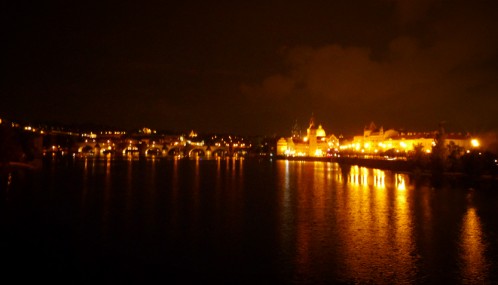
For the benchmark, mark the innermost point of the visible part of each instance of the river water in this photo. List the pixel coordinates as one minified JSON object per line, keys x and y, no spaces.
{"x":131,"y":220}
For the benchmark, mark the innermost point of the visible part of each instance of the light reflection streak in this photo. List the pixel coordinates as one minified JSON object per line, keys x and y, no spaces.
{"x":218,"y":187}
{"x":339,"y":175}
{"x":379,"y":178}
{"x":378,"y":229}
{"x":359,"y":176}
{"x":84,"y":191}
{"x":304,"y":193}
{"x":241,"y":167}
{"x":364,"y":176}
{"x":174,"y":195}
{"x":107,"y":196}
{"x":286,"y":225}
{"x":474,"y":263}
{"x":129,"y":181}
{"x":93,"y":167}
{"x":305,"y":226}
{"x":400,"y":182}
{"x":151,"y":199}
{"x":234,"y":166}
{"x":196,"y":194}
{"x":197,"y":175}
{"x":218,"y":169}
{"x":367,"y":223}
{"x":234,"y":202}
{"x":403,"y":238}
{"x":319,"y":187}
{"x":353,"y":175}
{"x":240,"y":173}
{"x":174,"y":179}
{"x":108,"y":165}
{"x":359,"y":229}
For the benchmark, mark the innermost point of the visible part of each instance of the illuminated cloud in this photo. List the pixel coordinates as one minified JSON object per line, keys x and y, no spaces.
{"x":447,"y":73}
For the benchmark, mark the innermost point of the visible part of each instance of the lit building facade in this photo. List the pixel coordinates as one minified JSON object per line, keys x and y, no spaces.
{"x":376,"y":141}
{"x":314,"y":144}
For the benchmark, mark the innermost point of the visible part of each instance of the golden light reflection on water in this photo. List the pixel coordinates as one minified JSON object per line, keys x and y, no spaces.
{"x":404,"y":248}
{"x":378,"y":235}
{"x":358,"y":227}
{"x":360,"y":176}
{"x":107,"y":196}
{"x":128,"y":185}
{"x":305,"y":197}
{"x":218,"y":174}
{"x":366,"y":222}
{"x":175,"y":188}
{"x":197,"y":175}
{"x":174,"y":178}
{"x":474,"y":263}
{"x":84,"y":191}
{"x":285,"y":207}
{"x":400,"y":182}
{"x":150,"y":186}
{"x":196,"y":201}
{"x":319,"y":186}
{"x":379,"y":178}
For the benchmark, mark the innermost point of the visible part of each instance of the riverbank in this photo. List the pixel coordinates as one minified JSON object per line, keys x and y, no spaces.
{"x":397,"y":165}
{"x":394,"y":165}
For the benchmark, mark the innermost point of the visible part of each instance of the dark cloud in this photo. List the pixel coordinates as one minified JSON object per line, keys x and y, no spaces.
{"x":253,"y":68}
{"x":447,"y":73}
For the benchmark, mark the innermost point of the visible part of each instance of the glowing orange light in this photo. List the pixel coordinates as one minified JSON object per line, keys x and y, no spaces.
{"x":475,"y":143}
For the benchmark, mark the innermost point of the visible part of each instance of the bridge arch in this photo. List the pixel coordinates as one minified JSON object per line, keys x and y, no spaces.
{"x":88,"y":147}
{"x":197,"y":151}
{"x":153,"y":151}
{"x":219,"y":151}
{"x":175,"y":150}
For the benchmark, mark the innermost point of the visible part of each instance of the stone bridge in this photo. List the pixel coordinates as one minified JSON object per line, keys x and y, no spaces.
{"x":142,"y":148}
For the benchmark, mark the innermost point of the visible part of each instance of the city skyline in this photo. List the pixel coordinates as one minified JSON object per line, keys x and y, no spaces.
{"x":253,"y":69}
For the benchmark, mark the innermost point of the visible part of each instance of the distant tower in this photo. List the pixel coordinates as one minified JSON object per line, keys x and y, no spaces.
{"x":296,"y":130}
{"x":367,"y":131}
{"x":312,"y":137}
{"x":440,"y":135}
{"x":312,"y":126}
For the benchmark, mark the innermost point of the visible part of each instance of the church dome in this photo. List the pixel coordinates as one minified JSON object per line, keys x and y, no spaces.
{"x":320,"y":132}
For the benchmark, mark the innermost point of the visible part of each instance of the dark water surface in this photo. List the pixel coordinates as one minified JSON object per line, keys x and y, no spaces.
{"x":252,"y":221}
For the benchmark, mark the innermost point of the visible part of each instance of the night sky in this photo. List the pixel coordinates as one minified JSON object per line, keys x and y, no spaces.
{"x":252,"y":68}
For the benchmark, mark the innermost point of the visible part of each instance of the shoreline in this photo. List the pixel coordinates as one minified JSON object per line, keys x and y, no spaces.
{"x":402,"y":166}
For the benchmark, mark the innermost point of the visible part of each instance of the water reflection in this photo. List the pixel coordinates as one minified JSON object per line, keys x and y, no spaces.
{"x":379,"y":229}
{"x":474,"y":264}
{"x":106,"y":203}
{"x":84,"y":191}
{"x":175,"y":188}
{"x":379,"y":178}
{"x":196,"y":202}
{"x":400,"y":182}
{"x":404,"y":246}
{"x":128,"y":184}
{"x":366,"y":223}
{"x":307,"y":222}
{"x":286,"y":212}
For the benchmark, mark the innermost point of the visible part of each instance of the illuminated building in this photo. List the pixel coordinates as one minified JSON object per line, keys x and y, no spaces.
{"x":315,"y":143}
{"x":376,"y":141}
{"x":192,"y":134}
